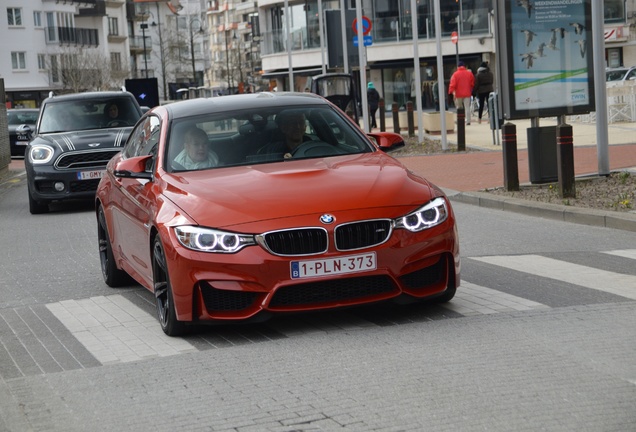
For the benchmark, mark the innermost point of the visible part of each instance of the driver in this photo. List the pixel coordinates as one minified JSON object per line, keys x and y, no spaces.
{"x":111,"y":111}
{"x":292,"y":124}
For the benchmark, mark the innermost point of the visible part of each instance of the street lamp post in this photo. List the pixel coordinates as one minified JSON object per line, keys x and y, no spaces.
{"x":144,"y":26}
{"x":240,"y":63}
{"x":227,"y":63}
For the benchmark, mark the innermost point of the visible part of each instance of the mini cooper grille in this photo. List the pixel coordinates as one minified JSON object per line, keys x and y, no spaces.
{"x":362,"y":234}
{"x":425,"y":277}
{"x":84,"y":160}
{"x":303,"y":241}
{"x":340,"y":290}
{"x":217,"y":300}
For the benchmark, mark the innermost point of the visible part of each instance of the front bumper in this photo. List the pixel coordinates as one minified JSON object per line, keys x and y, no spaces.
{"x":253,"y":282}
{"x":42,"y":180}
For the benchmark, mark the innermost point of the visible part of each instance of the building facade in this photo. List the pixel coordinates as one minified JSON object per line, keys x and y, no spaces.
{"x":213,"y":47}
{"x":64,"y":46}
{"x":389,"y":57}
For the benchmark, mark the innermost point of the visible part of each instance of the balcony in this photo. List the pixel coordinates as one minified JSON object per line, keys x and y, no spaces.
{"x":137,"y":45}
{"x":80,"y":3}
{"x":71,"y":36}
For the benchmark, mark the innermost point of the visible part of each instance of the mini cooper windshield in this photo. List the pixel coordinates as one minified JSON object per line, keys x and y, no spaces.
{"x":250,"y":137}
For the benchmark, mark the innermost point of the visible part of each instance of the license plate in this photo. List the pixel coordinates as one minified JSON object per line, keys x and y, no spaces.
{"x":333,"y":266}
{"x":90,"y":175}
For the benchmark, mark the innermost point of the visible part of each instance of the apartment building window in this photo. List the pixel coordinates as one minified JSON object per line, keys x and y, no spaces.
{"x":614,"y":11}
{"x":41,"y":61}
{"x":18,"y":60}
{"x":55,"y":70}
{"x":37,"y":18}
{"x":113,"y":27}
{"x":115,"y":61}
{"x":14,"y":15}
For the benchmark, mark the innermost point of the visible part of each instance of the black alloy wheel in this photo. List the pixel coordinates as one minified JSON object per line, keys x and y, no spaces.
{"x":163,"y":292}
{"x":113,"y":276}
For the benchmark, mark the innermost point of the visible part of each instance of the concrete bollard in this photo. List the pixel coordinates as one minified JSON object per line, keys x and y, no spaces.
{"x":461,"y":129}
{"x":509,"y":148}
{"x":382,"y":115}
{"x":396,"y":118}
{"x":409,"y":118}
{"x":565,"y":161}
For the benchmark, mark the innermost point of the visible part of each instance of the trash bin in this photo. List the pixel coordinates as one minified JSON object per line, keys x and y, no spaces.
{"x":542,"y":154}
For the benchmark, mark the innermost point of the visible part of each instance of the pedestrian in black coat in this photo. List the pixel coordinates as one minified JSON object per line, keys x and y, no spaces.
{"x":484,"y":85}
{"x":373,"y":99}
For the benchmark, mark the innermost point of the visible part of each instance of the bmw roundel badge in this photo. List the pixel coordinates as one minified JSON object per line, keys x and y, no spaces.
{"x":327,"y":219}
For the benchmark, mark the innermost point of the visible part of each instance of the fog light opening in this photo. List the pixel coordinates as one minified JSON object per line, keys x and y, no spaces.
{"x":59,"y":186}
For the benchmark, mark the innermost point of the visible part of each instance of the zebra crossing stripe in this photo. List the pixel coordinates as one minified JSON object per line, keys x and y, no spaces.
{"x":472,"y":299}
{"x":627,"y":253}
{"x":115,"y":330}
{"x":588,"y":277}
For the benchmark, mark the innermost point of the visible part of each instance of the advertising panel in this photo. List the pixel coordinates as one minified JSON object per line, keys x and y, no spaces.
{"x":547,"y":64}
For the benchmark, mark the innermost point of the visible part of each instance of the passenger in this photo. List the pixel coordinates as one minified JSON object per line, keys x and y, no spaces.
{"x":196,"y":153}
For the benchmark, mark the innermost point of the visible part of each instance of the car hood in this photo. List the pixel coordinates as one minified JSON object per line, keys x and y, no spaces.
{"x":94,"y":139}
{"x":231,"y":196}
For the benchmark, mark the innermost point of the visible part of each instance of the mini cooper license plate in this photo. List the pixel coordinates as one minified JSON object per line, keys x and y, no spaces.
{"x":90,"y":175}
{"x":333,"y":266}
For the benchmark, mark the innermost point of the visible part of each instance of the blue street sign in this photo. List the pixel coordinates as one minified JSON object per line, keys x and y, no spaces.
{"x":366,"y":40}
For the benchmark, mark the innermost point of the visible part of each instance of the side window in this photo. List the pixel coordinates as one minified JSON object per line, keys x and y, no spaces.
{"x":144,"y":138}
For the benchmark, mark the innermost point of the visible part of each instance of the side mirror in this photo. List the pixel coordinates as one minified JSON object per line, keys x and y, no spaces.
{"x":387,"y":141}
{"x":25,"y":129}
{"x":133,"y":168}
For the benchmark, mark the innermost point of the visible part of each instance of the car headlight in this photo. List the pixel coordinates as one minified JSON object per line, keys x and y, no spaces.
{"x":41,"y":154}
{"x":211,"y":240}
{"x":432,"y":214}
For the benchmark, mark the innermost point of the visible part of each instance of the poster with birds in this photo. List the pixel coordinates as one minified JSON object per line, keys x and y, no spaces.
{"x":551,"y":46}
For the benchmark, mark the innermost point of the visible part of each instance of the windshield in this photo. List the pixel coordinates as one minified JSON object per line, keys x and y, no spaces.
{"x":616,"y":75}
{"x":258,"y":137}
{"x":75,"y":115}
{"x":22,"y":117}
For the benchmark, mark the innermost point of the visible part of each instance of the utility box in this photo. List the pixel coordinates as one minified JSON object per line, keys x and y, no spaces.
{"x":542,"y":154}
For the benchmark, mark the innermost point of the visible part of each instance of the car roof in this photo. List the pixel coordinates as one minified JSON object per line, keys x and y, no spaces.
{"x":88,"y":96}
{"x":255,"y":101}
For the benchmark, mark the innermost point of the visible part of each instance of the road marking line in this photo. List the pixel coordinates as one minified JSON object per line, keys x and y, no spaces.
{"x":472,"y":299}
{"x":588,"y":277}
{"x":115,"y":330}
{"x":627,"y":253}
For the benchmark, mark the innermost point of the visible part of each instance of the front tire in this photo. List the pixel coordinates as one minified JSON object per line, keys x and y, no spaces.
{"x":166,"y":312}
{"x":113,"y":276}
{"x":36,"y":207}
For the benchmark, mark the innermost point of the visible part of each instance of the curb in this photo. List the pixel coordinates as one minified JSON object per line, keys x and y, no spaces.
{"x":583,"y":216}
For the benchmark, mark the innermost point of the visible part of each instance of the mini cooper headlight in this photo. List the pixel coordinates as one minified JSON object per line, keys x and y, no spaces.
{"x":41,"y":154}
{"x":432,"y":214}
{"x":211,"y":240}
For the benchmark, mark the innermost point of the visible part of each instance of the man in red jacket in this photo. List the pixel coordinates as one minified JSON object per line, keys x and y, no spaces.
{"x":461,"y":87}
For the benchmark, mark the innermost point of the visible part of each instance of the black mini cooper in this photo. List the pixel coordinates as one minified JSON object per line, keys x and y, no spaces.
{"x":74,"y":138}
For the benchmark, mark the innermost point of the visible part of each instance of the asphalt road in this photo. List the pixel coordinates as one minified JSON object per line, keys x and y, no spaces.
{"x":539,"y":337}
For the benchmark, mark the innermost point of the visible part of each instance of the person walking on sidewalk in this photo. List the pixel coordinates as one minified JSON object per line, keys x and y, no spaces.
{"x":373,"y":99}
{"x":484,"y":85}
{"x":461,"y":87}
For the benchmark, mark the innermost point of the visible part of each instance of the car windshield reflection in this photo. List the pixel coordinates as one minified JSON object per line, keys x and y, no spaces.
{"x":251,"y":137}
{"x":84,"y":115}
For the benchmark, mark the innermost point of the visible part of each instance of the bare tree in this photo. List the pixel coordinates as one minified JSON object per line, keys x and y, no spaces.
{"x":78,"y":69}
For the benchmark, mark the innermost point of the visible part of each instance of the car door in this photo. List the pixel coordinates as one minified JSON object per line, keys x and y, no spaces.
{"x":133,"y":214}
